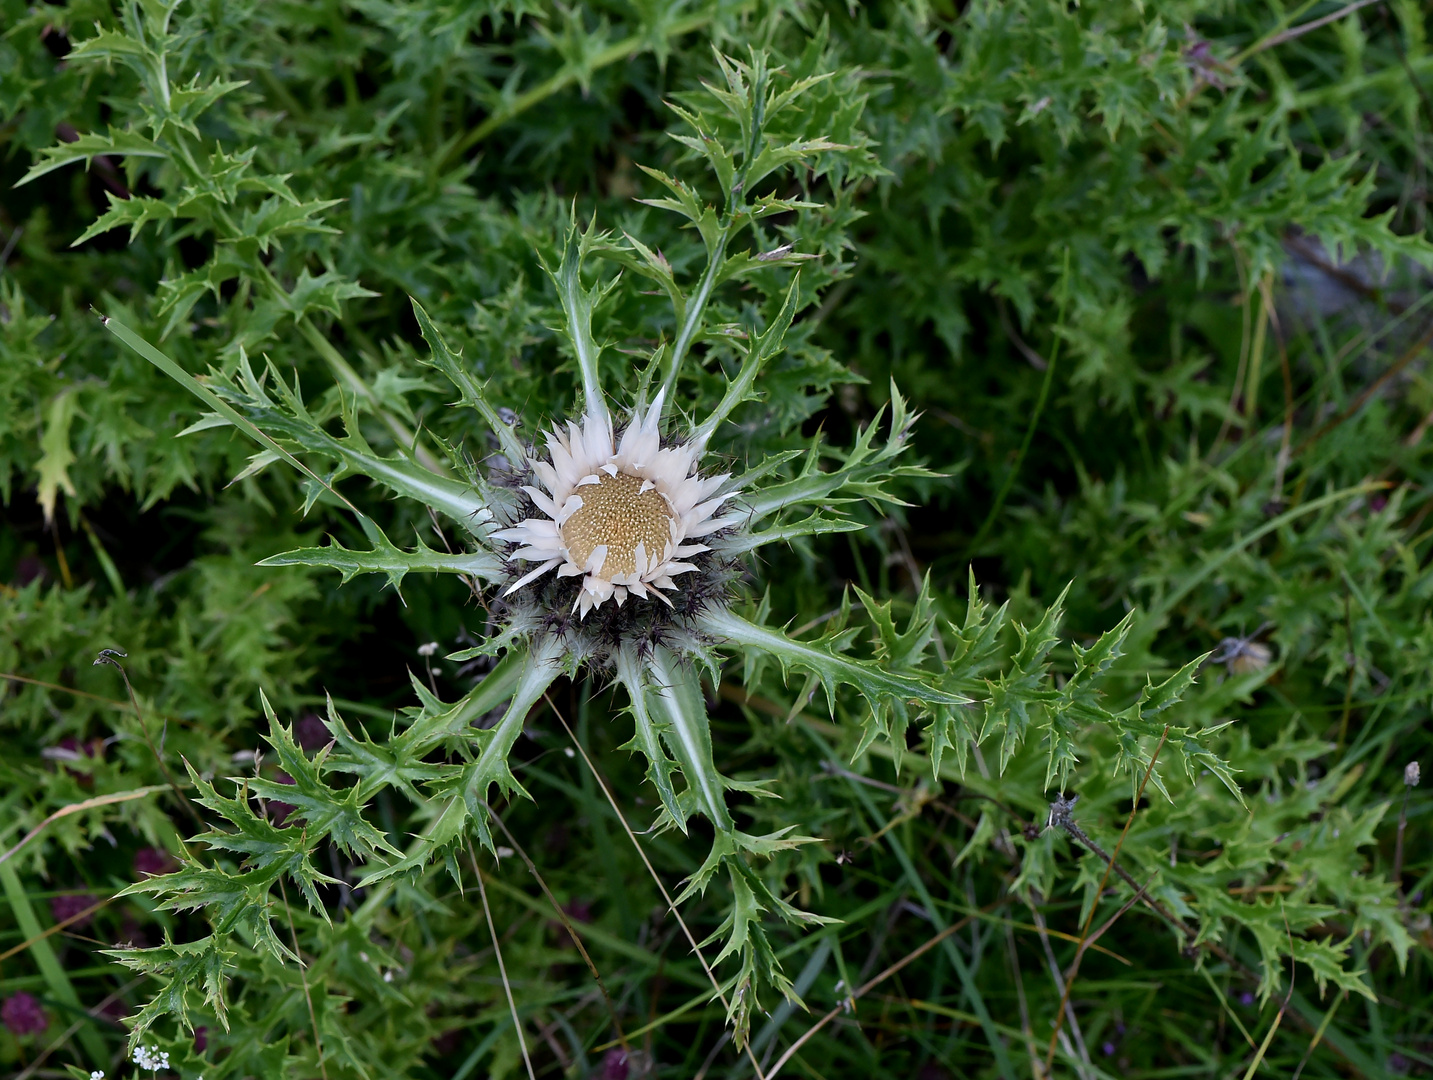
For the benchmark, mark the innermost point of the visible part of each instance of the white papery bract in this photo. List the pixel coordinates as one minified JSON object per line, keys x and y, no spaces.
{"x":622,"y":513}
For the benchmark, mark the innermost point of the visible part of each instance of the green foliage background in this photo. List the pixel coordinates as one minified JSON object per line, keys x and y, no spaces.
{"x":1155,"y":276}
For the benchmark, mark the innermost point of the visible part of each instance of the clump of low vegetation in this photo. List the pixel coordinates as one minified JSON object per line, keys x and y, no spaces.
{"x":698,"y":538}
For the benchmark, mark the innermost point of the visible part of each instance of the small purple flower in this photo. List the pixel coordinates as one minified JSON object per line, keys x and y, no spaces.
{"x":116,"y":1010}
{"x":76,"y":757}
{"x":27,"y":570}
{"x":578,"y":910}
{"x":279,"y":810}
{"x":445,"y":1044}
{"x":1108,"y":1049}
{"x":614,"y":1065}
{"x":311,"y":733}
{"x":151,"y":861}
{"x":201,"y":1039}
{"x":66,"y":907}
{"x":131,"y":935}
{"x":1246,"y":999}
{"x":23,"y":1016}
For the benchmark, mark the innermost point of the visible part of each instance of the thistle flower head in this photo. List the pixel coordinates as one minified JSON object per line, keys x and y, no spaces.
{"x":623,"y":514}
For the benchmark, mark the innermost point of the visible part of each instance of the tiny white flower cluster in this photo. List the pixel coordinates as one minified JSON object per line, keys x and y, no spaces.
{"x":151,"y":1058}
{"x":98,"y":1074}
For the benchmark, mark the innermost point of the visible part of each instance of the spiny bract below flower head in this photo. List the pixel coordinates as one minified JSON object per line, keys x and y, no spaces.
{"x":619,"y":513}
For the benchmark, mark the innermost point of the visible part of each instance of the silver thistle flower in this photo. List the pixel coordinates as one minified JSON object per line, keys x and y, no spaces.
{"x":622,"y":514}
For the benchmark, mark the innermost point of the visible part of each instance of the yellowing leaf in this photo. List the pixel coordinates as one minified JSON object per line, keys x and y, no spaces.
{"x":56,"y":457}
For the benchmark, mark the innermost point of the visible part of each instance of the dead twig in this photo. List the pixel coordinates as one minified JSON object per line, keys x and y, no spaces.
{"x":79,"y":807}
{"x":869,"y":985}
{"x":112,"y":658}
{"x":1409,"y":355}
{"x":76,"y":917}
{"x":502,"y":968}
{"x":1062,"y":987}
{"x":566,"y":922}
{"x":1293,"y":32}
{"x":1060,"y":817}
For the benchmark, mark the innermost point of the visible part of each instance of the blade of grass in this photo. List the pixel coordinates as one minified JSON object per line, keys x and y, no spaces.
{"x":95,"y":1013}
{"x":1026,"y":1032}
{"x":601,"y":939}
{"x":1224,"y":1004}
{"x":1319,"y":1033}
{"x":303,"y":978}
{"x":471,"y":1061}
{"x":566,"y":922}
{"x":765,"y":1041}
{"x":954,"y":955}
{"x":57,"y":982}
{"x":1264,"y":1046}
{"x":866,"y":987}
{"x":569,"y":74}
{"x":1338,"y":1040}
{"x":597,"y":813}
{"x":879,"y":903}
{"x":1014,"y":472}
{"x":345,"y":374}
{"x":1168,"y":603}
{"x":1283,"y":1005}
{"x":108,"y":656}
{"x":80,"y":807}
{"x":1245,"y":340}
{"x":1104,"y":880}
{"x":661,"y":887}
{"x":1409,"y":355}
{"x":502,"y":968}
{"x":215,"y":402}
{"x":111,"y":572}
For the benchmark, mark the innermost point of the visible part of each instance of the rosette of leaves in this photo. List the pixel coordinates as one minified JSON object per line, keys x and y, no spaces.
{"x":615,"y":546}
{"x":647,"y":543}
{"x":621,"y":545}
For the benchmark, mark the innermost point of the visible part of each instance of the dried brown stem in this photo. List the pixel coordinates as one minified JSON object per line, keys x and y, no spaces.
{"x":1111,"y":861}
